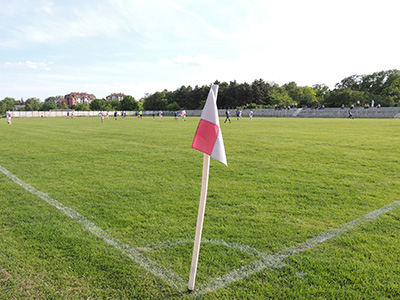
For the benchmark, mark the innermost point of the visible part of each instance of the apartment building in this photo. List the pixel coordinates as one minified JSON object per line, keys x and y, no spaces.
{"x":78,"y":98}
{"x":115,"y":96}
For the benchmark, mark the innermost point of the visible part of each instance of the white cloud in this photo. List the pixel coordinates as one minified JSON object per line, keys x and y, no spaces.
{"x":26,"y":65}
{"x":45,"y":6}
{"x":198,"y":18}
{"x":52,"y":24}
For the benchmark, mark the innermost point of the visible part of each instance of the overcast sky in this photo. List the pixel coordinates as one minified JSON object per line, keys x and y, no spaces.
{"x":54,"y":47}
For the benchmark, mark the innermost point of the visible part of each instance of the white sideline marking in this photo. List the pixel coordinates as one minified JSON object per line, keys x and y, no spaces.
{"x":264,"y":260}
{"x":151,"y":266}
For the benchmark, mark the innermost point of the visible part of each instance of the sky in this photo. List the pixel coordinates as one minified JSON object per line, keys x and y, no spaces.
{"x":138,"y":47}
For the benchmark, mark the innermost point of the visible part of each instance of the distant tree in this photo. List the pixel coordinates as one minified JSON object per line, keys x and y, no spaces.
{"x":321,"y":91}
{"x":243,"y":93}
{"x":183,"y":96}
{"x":234,"y":94}
{"x":115,"y":104}
{"x":253,"y":106}
{"x":32,"y":104}
{"x":231,"y":96}
{"x":374,"y":83}
{"x":307,"y":97}
{"x":62,"y":105}
{"x":81,"y":107}
{"x":295,"y":92}
{"x":346,"y":97}
{"x":260,"y":93}
{"x":302,"y":96}
{"x":280,"y":96}
{"x":391,"y":87}
{"x":352,"y":82}
{"x":382,"y":100}
{"x":53,"y":99}
{"x":199,"y":95}
{"x":156,"y":101}
{"x":383,"y":86}
{"x":48,"y":105}
{"x":222,"y":99}
{"x":57,"y":100}
{"x":8,"y":104}
{"x":173,"y":106}
{"x":100,"y":104}
{"x":129,"y":103}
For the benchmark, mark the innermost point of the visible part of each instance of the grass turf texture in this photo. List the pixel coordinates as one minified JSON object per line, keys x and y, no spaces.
{"x":287,"y":181}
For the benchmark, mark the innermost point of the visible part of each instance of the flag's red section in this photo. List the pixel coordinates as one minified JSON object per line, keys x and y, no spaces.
{"x":205,"y":137}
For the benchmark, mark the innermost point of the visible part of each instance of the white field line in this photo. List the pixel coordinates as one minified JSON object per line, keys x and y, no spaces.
{"x":276,"y":260}
{"x":236,"y":246}
{"x":169,"y":277}
{"x":264,"y":260}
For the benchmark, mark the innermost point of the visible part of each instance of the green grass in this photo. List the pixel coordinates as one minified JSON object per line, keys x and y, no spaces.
{"x":287,"y":181}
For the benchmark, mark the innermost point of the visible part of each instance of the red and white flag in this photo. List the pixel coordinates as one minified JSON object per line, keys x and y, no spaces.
{"x":208,"y":137}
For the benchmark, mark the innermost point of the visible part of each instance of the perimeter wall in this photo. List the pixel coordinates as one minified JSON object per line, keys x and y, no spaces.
{"x":383,"y":112}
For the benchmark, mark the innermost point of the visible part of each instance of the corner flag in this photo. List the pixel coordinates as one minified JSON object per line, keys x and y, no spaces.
{"x":208,"y":137}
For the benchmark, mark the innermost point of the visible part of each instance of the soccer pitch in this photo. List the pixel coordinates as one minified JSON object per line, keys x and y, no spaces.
{"x":308,"y":208}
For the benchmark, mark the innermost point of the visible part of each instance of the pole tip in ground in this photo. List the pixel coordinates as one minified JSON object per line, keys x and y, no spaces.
{"x":190,"y":291}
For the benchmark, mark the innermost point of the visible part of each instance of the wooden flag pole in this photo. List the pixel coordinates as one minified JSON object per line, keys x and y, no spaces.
{"x":200,"y":219}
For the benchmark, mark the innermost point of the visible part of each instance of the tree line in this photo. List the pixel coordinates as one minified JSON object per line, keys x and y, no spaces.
{"x":51,"y":103}
{"x":382,"y":87}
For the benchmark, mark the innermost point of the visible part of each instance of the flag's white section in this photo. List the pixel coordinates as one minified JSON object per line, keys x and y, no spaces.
{"x":218,"y":152}
{"x":210,"y":113}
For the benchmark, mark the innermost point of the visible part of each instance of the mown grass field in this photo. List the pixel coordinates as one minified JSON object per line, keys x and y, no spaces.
{"x":288,"y":180}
